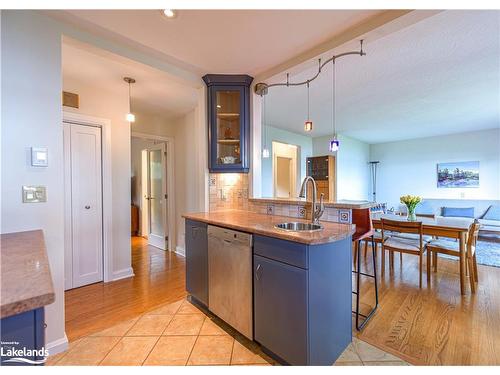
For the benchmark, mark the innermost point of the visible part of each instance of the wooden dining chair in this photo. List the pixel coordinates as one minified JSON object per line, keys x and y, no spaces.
{"x":413,"y":246}
{"x":452,"y":248}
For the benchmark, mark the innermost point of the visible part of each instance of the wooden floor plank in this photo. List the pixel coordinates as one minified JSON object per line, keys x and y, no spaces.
{"x":436,"y":325}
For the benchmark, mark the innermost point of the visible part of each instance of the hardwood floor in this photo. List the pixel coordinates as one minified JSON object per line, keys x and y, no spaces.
{"x":159,"y":278}
{"x":428,"y":326}
{"x":435,"y":325}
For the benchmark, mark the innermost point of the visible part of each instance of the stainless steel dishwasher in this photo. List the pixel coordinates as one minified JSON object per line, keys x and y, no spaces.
{"x":230,"y":277}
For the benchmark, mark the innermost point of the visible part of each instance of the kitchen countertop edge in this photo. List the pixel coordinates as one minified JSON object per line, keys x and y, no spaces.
{"x":301,"y":202}
{"x":270,"y":231}
{"x":30,"y":248}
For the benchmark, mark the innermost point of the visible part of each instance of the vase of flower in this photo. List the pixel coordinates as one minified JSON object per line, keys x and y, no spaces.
{"x":411,"y":202}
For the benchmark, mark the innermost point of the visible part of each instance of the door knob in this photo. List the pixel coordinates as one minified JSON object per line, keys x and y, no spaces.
{"x":87,"y":207}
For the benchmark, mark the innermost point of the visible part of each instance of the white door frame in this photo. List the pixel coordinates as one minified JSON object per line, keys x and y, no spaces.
{"x":107,"y":214}
{"x":169,"y":141}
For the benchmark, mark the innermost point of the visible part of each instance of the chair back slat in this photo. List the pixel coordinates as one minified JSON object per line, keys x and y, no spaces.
{"x":472,"y":235}
{"x":414,"y":227}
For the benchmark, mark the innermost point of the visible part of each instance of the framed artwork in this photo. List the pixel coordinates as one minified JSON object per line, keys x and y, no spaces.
{"x":464,"y":174}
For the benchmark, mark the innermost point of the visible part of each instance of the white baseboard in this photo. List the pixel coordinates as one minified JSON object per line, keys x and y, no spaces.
{"x":123,"y":274}
{"x":180,"y":250}
{"x":58,"y":346}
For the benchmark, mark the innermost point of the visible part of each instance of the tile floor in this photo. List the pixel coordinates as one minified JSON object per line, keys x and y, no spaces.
{"x":180,"y":334}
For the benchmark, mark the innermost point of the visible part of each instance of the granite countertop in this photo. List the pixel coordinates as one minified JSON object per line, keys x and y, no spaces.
{"x":343,"y":203}
{"x":26,"y":279}
{"x":251,"y":222}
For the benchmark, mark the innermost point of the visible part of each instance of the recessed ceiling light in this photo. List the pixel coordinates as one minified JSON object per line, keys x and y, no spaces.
{"x":169,"y":13}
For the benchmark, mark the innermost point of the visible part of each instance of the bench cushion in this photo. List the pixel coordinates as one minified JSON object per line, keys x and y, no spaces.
{"x":457,"y":212}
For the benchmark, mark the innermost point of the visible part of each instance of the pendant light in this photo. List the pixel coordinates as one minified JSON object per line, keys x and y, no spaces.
{"x":334,"y":142}
{"x":265,"y":150}
{"x":130,"y":117}
{"x":308,"y":125}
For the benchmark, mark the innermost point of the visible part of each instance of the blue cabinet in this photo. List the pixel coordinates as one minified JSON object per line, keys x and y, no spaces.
{"x":25,"y":330}
{"x":280,"y":303}
{"x":229,"y":122}
{"x":302,"y":299}
{"x":197,"y":260}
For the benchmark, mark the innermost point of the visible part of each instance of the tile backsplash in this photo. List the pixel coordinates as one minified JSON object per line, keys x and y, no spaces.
{"x":230,"y":191}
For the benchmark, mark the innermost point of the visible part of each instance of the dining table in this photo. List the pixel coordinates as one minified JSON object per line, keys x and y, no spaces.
{"x":438,"y":226}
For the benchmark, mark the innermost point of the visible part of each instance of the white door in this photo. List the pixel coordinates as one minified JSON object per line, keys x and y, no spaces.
{"x":83,"y":173}
{"x":283,"y":177}
{"x":156,"y":196}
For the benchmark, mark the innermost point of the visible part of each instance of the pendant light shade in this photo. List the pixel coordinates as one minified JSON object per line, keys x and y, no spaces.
{"x":130,"y":117}
{"x":308,"y":126}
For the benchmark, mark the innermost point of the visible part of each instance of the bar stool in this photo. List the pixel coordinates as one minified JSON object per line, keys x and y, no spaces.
{"x":364,"y":230}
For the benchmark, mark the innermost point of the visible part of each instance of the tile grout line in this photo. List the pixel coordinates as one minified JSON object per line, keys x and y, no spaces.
{"x":191,"y":352}
{"x":147,"y":356}
{"x":109,"y":351}
{"x":121,"y":338}
{"x":232,"y":351}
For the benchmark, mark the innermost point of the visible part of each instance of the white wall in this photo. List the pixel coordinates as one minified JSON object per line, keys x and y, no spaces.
{"x":154,"y":124}
{"x":353,"y":172}
{"x":32,"y":116}
{"x":99,"y":102}
{"x":409,"y":167}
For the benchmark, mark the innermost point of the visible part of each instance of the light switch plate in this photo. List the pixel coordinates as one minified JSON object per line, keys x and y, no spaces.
{"x":34,"y":194}
{"x":39,"y":157}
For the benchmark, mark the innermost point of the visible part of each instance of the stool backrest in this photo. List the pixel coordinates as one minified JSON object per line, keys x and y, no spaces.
{"x":362,"y":219}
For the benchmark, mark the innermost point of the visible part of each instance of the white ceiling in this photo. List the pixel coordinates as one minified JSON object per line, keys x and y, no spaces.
{"x":154,"y":92}
{"x":438,"y":76}
{"x":221,"y":41}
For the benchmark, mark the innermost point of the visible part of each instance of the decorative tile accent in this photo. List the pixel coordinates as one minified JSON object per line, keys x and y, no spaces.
{"x":301,"y":212}
{"x":345,"y":216}
{"x":270,"y":209}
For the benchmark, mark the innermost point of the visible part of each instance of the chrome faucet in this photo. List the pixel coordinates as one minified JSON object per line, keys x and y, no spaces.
{"x":316,"y":212}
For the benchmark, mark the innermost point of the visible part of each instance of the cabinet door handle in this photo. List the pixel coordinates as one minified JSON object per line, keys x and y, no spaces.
{"x":257,"y":277}
{"x":87,"y":207}
{"x":228,"y":242}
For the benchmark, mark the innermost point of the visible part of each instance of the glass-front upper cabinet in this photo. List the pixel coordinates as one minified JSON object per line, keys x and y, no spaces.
{"x":229,"y":122}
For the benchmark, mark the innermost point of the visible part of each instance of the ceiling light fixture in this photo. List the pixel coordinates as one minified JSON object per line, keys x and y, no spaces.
{"x":308,"y":126}
{"x":334,"y":142}
{"x":130,"y":117}
{"x":169,"y":13}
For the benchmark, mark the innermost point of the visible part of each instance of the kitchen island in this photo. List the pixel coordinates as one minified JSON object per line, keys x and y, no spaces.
{"x":288,"y":291}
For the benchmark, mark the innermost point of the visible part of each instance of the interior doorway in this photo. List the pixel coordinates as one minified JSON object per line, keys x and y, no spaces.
{"x":284,"y":170}
{"x":152,"y":185}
